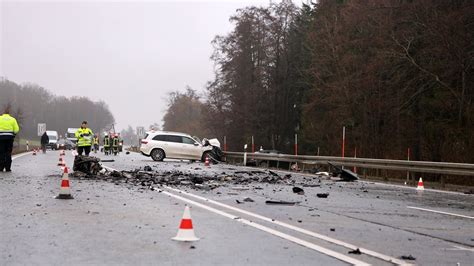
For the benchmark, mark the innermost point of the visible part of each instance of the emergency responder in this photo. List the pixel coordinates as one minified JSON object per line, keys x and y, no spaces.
{"x":96,"y":143}
{"x":84,"y":139}
{"x":44,"y":141}
{"x":106,"y":144}
{"x":115,"y":144}
{"x":8,"y":130}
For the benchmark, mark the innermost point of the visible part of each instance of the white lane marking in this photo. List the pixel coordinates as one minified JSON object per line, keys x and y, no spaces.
{"x":414,"y":188}
{"x":293,"y":239}
{"x":447,"y":213}
{"x":20,"y":155}
{"x":298,"y":229}
{"x":461,"y":248}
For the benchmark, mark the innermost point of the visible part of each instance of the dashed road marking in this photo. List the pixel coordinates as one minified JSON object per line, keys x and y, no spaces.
{"x":20,"y":155}
{"x":280,"y":234}
{"x":298,"y":229}
{"x":461,"y":248}
{"x":293,"y":239}
{"x":441,"y":212}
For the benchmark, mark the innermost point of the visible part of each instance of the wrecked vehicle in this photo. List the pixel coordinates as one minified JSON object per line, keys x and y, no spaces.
{"x":174,"y":145}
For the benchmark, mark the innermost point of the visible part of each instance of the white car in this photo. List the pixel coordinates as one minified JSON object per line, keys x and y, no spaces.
{"x":173,"y":145}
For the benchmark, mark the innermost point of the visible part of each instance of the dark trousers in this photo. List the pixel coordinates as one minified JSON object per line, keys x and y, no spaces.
{"x":6,"y":147}
{"x":86,"y":149}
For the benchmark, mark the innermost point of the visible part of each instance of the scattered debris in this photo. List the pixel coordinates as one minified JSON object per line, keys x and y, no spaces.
{"x":147,"y":168}
{"x":248,"y":200}
{"x":298,"y":190}
{"x":355,"y":252}
{"x":344,"y":174}
{"x":280,"y":202}
{"x":322,"y":173}
{"x":238,"y":201}
{"x":88,"y":165}
{"x":322,"y":195}
{"x":409,"y":257}
{"x":192,"y":247}
{"x":333,"y":229}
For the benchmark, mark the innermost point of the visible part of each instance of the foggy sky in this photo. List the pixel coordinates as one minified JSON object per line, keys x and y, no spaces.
{"x":129,"y":54}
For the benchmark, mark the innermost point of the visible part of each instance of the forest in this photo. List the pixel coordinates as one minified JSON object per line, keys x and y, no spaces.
{"x":396,"y":74}
{"x":31,"y":104}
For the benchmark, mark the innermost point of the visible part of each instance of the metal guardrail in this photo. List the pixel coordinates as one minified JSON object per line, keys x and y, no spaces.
{"x":399,"y":165}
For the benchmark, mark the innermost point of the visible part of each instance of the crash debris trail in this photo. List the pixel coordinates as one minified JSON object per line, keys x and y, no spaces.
{"x":89,"y":167}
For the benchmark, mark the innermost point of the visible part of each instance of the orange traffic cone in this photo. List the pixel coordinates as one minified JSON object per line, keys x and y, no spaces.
{"x":186,"y":231}
{"x":420,"y":185}
{"x":61,"y":162}
{"x":206,"y":162}
{"x":65,"y":192}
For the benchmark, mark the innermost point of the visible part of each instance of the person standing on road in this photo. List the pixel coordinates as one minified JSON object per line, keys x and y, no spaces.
{"x":44,"y":141}
{"x":8,"y":130}
{"x":106,"y":144}
{"x":96,"y":143}
{"x":84,"y":139}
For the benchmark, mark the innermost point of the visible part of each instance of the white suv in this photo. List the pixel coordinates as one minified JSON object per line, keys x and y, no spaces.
{"x":174,"y":145}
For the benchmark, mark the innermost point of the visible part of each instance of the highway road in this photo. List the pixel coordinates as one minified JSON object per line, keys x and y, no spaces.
{"x":110,"y":223}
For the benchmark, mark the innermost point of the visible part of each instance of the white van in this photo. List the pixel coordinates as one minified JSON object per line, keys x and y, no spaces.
{"x":70,"y":134}
{"x":53,"y":139}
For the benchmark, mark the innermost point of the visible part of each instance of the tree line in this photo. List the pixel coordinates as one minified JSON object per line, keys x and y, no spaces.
{"x":32,"y":104}
{"x":396,"y":74}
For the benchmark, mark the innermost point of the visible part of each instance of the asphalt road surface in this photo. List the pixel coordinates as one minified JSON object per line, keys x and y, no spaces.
{"x":110,"y":223}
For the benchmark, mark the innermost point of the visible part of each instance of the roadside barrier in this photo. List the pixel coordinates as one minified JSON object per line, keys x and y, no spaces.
{"x":399,"y":165}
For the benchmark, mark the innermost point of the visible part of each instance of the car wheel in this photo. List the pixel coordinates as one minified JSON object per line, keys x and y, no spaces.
{"x":157,"y":154}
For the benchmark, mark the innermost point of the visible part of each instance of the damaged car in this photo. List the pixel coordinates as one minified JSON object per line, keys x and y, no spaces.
{"x":175,"y":145}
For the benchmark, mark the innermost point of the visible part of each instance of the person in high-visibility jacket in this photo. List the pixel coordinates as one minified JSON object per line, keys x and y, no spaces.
{"x":8,"y":130}
{"x":106,"y":144}
{"x":115,"y":144}
{"x":84,"y":139}
{"x":96,"y":143}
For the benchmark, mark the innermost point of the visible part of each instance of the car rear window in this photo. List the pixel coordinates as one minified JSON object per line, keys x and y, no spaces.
{"x":187,"y":140}
{"x":172,"y":138}
{"x":160,"y":137}
{"x":168,"y":138}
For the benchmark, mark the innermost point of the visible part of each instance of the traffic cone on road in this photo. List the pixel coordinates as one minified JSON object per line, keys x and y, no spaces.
{"x":206,"y":161}
{"x":61,"y":162}
{"x":65,"y":192}
{"x":420,"y":185}
{"x":186,"y":231}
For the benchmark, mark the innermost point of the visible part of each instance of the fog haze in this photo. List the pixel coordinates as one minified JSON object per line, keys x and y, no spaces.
{"x":129,"y":54}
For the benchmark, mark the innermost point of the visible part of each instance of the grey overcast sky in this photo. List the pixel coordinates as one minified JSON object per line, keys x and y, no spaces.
{"x":129,"y":54}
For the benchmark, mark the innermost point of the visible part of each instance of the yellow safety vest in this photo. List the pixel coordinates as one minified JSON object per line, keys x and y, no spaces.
{"x":8,"y":125}
{"x":85,"y":139}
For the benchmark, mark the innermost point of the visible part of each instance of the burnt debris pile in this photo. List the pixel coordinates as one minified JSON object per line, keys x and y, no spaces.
{"x":90,"y":168}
